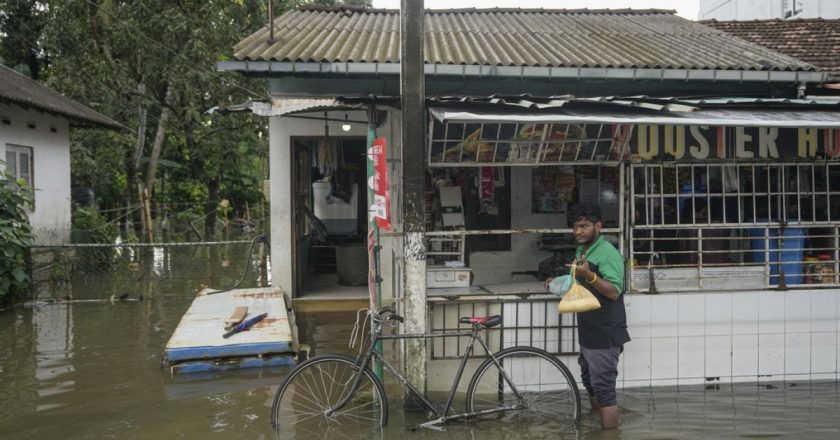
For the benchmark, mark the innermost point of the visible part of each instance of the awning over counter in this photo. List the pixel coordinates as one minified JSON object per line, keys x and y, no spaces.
{"x":288,"y":106}
{"x":717,"y":117}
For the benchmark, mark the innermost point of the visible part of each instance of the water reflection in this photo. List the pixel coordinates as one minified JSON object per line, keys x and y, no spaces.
{"x":53,"y":328}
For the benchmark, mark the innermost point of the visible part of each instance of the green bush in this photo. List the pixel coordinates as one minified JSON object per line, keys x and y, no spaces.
{"x":15,"y":237}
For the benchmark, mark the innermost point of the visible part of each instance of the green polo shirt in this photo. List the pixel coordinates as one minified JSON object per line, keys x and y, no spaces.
{"x":606,"y":258}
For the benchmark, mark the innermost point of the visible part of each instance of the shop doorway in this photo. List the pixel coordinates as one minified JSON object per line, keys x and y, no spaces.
{"x":330,"y":224}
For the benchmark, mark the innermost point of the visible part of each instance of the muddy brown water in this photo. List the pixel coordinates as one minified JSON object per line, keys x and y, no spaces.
{"x":91,"y":370}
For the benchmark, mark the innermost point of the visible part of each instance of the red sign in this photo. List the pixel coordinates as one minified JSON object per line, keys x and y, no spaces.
{"x":381,"y":194}
{"x":488,"y":184}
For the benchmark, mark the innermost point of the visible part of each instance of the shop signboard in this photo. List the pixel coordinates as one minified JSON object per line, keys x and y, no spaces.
{"x":702,"y":142}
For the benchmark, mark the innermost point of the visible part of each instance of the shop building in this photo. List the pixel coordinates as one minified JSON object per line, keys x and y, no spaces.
{"x":719,"y":184}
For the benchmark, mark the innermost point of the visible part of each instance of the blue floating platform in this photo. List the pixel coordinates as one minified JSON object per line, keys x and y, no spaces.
{"x":231,"y":364}
{"x":197,"y":345}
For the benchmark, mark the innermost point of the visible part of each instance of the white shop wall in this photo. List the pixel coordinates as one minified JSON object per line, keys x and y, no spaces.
{"x":731,"y":337}
{"x":715,"y":338}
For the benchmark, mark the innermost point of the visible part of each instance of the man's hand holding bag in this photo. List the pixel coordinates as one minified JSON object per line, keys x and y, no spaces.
{"x":578,"y":298}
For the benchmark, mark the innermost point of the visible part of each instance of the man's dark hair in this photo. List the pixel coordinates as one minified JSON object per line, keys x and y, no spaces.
{"x":586,"y":211}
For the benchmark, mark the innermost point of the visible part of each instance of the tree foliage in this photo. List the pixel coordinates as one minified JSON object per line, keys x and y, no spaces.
{"x":137,"y":61}
{"x":21,"y":24}
{"x":151,"y":65}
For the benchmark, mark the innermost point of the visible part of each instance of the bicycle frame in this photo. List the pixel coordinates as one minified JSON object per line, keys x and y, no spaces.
{"x":363,"y":360}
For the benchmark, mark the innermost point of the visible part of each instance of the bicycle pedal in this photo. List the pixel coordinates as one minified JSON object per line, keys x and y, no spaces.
{"x":304,"y":352}
{"x":418,"y":428}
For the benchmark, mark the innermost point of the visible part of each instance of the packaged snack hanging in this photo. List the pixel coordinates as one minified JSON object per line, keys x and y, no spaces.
{"x":577,"y":299}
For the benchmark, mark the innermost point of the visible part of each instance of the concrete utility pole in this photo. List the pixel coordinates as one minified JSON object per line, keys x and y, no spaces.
{"x":413,"y":103}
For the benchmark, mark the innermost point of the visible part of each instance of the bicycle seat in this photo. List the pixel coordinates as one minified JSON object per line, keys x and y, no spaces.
{"x":484,"y":321}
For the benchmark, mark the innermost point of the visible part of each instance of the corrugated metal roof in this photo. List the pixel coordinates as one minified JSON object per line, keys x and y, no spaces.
{"x":654,"y":39}
{"x":18,"y":89}
{"x":815,"y":41}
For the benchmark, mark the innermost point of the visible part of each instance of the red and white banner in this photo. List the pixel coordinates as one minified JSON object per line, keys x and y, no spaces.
{"x":381,"y":194}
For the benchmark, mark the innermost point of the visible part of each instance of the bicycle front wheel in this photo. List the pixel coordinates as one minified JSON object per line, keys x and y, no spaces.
{"x":547,"y":391}
{"x":305,"y":403}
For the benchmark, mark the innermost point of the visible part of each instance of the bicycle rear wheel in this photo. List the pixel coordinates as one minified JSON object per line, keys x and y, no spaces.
{"x":548,"y":390}
{"x":318,"y":385}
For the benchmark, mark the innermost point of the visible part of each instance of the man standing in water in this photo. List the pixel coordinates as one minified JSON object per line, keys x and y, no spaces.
{"x":602,"y":333}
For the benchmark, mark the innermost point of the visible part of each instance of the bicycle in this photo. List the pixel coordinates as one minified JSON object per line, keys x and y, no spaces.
{"x":336,"y":392}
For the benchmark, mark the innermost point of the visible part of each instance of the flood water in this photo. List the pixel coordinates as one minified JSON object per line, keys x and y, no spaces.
{"x":91,"y":370}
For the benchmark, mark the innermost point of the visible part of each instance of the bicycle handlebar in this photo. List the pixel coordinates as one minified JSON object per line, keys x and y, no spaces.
{"x":387,"y":313}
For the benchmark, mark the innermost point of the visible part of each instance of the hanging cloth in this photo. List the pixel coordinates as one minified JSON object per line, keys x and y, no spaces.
{"x":341,"y":185}
{"x":327,"y":160}
{"x":327,"y":157}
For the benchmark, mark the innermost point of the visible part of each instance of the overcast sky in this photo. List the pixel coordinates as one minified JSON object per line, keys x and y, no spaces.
{"x":685,"y":8}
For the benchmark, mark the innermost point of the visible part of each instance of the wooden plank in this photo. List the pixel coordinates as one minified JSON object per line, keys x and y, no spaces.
{"x":236,"y":317}
{"x":531,"y":287}
{"x":454,"y":292}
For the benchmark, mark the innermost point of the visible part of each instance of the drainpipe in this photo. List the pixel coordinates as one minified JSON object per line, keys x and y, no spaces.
{"x":651,"y":275}
{"x":800,"y":90}
{"x":373,"y":233}
{"x":412,"y":133}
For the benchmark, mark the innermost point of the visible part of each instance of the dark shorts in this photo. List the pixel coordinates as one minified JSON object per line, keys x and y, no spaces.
{"x":598,"y":371}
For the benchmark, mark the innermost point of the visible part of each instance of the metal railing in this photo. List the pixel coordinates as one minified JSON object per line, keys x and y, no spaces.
{"x":727,"y":257}
{"x":533,"y":322}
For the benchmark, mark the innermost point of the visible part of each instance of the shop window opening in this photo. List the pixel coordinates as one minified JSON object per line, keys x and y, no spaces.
{"x":734,"y":226}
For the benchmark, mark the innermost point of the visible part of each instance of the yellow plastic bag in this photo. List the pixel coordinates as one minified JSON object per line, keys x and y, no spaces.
{"x":578,"y":298}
